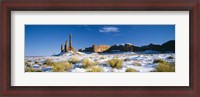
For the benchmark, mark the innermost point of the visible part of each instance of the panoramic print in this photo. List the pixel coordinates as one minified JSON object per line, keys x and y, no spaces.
{"x":99,"y":48}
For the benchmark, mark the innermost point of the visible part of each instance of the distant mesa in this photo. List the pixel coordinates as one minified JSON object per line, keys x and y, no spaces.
{"x":167,"y":46}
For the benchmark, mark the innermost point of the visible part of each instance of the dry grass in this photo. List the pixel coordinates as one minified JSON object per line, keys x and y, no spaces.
{"x":73,"y":60}
{"x":28,"y":64}
{"x":62,"y":66}
{"x":32,"y":70}
{"x":165,"y":67}
{"x":102,"y":58}
{"x":95,"y":69}
{"x":88,"y":63}
{"x":158,"y":61}
{"x":36,"y":62}
{"x":49,"y":62}
{"x":115,"y":63}
{"x":131,"y":70}
{"x":137,"y":64}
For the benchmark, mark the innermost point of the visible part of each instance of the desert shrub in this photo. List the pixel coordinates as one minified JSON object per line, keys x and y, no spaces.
{"x":73,"y":60}
{"x":96,"y":63}
{"x":102,"y":58}
{"x":29,"y":70}
{"x":165,"y":67}
{"x":116,"y":57}
{"x":40,"y":64}
{"x":36,"y":62}
{"x":170,"y":57}
{"x":115,"y":63}
{"x":68,"y":66}
{"x":127,"y":59}
{"x":62,"y":66}
{"x":38,"y":70}
{"x":131,"y":70}
{"x":172,"y":63}
{"x":58,"y":68}
{"x":29,"y":61}
{"x":49,"y":62}
{"x":32,"y":70}
{"x":28,"y":64}
{"x":87,"y":63}
{"x":158,"y":61}
{"x":95,"y":69}
{"x":136,"y":64}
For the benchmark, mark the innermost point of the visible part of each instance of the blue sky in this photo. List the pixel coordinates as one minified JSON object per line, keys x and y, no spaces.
{"x":43,"y":40}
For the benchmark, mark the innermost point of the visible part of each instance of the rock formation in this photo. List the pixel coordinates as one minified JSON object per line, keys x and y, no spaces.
{"x":97,"y":49}
{"x":68,"y":48}
{"x":70,"y":40}
{"x":124,"y":48}
{"x":151,"y":46}
{"x":62,"y":48}
{"x":71,"y":47}
{"x":167,"y":46}
{"x":100,"y":48}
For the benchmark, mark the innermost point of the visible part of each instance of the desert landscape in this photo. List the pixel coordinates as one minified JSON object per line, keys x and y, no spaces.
{"x":94,"y":62}
{"x":104,"y":58}
{"x":125,"y":57}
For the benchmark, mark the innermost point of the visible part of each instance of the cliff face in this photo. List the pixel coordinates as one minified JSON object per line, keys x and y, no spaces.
{"x":124,"y":48}
{"x":167,"y":46}
{"x":151,"y":46}
{"x":97,"y":49}
{"x":101,"y":48}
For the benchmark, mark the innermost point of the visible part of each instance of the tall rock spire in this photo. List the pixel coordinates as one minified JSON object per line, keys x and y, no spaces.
{"x":62,"y":48}
{"x":70,"y":41}
{"x":66,"y":46}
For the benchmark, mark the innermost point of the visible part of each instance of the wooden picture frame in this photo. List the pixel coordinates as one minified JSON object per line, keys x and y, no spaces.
{"x":193,"y":90}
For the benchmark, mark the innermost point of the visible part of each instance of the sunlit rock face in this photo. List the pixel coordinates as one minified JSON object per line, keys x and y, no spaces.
{"x":66,"y":48}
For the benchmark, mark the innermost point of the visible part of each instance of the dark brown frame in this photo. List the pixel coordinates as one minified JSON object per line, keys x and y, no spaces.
{"x":99,"y":5}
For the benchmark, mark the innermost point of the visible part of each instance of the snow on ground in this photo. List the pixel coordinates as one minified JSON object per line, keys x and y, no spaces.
{"x":143,"y":60}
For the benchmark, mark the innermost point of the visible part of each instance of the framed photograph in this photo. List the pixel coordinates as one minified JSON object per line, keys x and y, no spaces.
{"x":139,"y":48}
